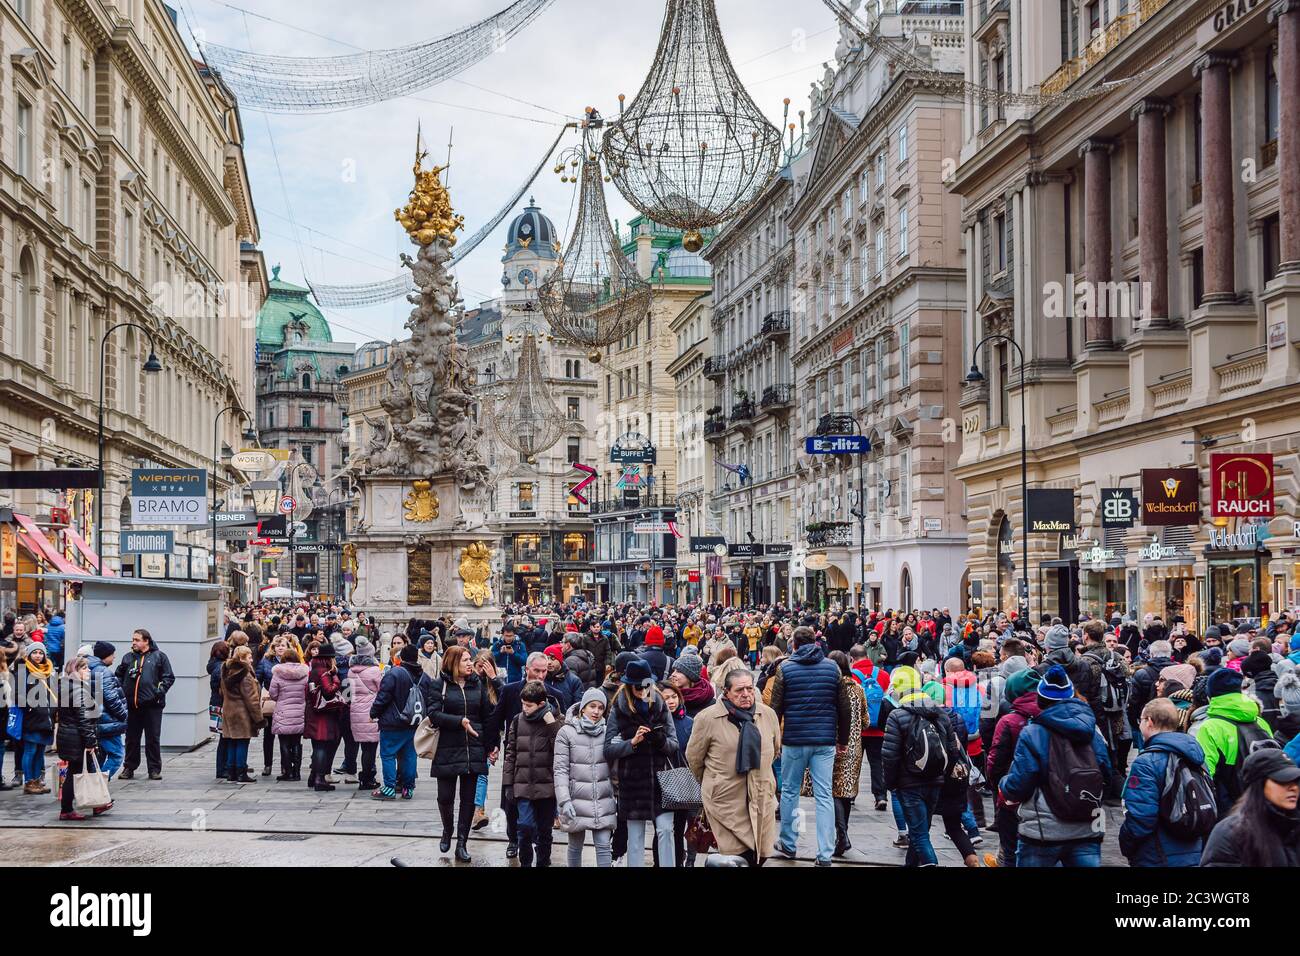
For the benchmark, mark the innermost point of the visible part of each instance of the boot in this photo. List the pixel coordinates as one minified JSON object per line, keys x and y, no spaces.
{"x":444,"y":812}
{"x":245,"y":777}
{"x":35,"y":788}
{"x":232,"y":776}
{"x":444,"y":842}
{"x":480,"y":819}
{"x":525,"y":852}
{"x":462,"y":851}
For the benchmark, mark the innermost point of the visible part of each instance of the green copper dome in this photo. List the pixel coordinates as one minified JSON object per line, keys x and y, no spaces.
{"x":289,"y":304}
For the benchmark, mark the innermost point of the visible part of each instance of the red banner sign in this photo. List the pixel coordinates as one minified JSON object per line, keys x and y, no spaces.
{"x":1241,"y":486}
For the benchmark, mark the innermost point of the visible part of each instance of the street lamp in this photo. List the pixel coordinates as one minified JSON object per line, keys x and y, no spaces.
{"x":250,"y":436}
{"x":860,"y":512}
{"x":151,"y":365}
{"x":975,"y":377}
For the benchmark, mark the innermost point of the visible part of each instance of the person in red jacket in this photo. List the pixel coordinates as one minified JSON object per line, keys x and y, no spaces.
{"x":1022,"y":691}
{"x":873,"y":733}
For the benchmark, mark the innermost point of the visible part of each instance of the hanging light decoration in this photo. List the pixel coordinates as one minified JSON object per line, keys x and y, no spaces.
{"x":527,"y":419}
{"x":593,"y":297}
{"x":692,"y":150}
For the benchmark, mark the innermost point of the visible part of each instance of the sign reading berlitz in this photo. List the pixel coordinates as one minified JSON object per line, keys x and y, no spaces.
{"x":1171,"y":496}
{"x":1241,"y":486}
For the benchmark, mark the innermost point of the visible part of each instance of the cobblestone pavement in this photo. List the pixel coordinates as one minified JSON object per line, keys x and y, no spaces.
{"x":172,"y":821}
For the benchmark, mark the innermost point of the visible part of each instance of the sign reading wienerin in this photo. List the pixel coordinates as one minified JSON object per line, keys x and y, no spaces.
{"x":169,"y":496}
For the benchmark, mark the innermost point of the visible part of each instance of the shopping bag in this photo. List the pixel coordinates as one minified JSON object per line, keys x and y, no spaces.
{"x":90,"y":787}
{"x":14,"y":723}
{"x":426,"y":739}
{"x":214,"y":719}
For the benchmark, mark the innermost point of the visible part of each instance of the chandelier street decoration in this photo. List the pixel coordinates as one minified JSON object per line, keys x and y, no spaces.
{"x":593,"y":297}
{"x":325,"y":84}
{"x":527,"y":419}
{"x":692,"y":150}
{"x":428,"y":404}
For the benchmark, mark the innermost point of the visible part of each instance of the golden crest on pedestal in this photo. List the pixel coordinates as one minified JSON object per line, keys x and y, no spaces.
{"x":475,"y":570}
{"x":421,"y":503}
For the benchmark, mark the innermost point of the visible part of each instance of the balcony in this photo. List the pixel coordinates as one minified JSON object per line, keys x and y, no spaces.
{"x":776,"y":324}
{"x":714,"y":429}
{"x":777,"y":397}
{"x":829,"y":534}
{"x":715,"y":366}
{"x":742,"y":411}
{"x":1096,"y":49}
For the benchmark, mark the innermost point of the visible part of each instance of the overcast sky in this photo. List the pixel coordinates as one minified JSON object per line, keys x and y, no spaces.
{"x":341,"y":175}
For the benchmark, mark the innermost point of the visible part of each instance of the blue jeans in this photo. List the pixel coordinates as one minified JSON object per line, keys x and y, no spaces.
{"x":33,"y":760}
{"x":820,"y":762}
{"x":1081,"y":853}
{"x":480,"y":791}
{"x":918,"y":805}
{"x":236,"y":756}
{"x":397,"y":757}
{"x":114,"y":749}
{"x":900,"y":821}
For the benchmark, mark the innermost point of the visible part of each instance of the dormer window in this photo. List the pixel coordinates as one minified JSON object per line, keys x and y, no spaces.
{"x":306,"y":381}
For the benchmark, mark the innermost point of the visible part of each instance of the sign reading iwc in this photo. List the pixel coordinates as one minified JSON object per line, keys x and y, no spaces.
{"x":169,"y":496}
{"x":1241,"y":486}
{"x":1171,"y":496}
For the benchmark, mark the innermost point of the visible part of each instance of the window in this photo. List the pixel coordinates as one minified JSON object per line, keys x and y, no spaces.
{"x":528,"y":547}
{"x":864,"y":184}
{"x":999,"y":243}
{"x":1271,"y":109}
{"x":574,"y":451}
{"x":880,"y":368}
{"x":67,"y":65}
{"x":306,"y":418}
{"x":902,"y":144}
{"x":846,"y":288}
{"x":848,"y":206}
{"x":65,"y":197}
{"x":880,"y":170}
{"x":904,"y":354}
{"x":307,"y":453}
{"x":1004,"y":385}
{"x":26,"y":302}
{"x":1093,"y":13}
{"x":270,"y":418}
{"x":524,"y":496}
{"x":1196,"y":138}
{"x":905,"y":482}
{"x":573,"y":546}
{"x":880,"y":252}
{"x":575,"y":409}
{"x":1272,"y":247}
{"x":306,"y":381}
{"x":865,"y":268}
{"x":868,"y":376}
{"x":128,"y":127}
{"x":128,"y":241}
{"x":23,"y":139}
{"x":87,"y":212}
{"x":902,"y":231}
{"x":1198,"y":277}
{"x":85,"y":88}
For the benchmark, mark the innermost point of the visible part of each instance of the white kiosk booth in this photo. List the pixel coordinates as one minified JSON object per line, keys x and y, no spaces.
{"x":184,"y":621}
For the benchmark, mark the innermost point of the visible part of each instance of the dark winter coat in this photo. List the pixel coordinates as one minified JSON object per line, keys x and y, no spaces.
{"x":106,"y":688}
{"x":660,"y":663}
{"x":1079,"y":669}
{"x":1262,"y":688}
{"x":394,"y":688}
{"x":1142,"y":839}
{"x":265,"y":669}
{"x":323,"y":724}
{"x":509,"y":707}
{"x":806,"y":695}
{"x":146,"y":677}
{"x":39,"y":696}
{"x":1144,"y":686}
{"x":446,"y":704}
{"x":639,"y":797}
{"x":899,"y":773}
{"x":582,"y":664}
{"x":241,"y":702}
{"x":214,"y":681}
{"x":76,"y":721}
{"x":530,"y":755}
{"x":511,"y":658}
{"x":565,"y":685}
{"x":1006,"y":734}
{"x":1223,"y":848}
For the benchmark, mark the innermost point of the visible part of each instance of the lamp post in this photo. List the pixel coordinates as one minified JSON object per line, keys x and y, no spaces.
{"x":249,"y":436}
{"x":293,"y":551}
{"x":974,"y":377}
{"x":832,"y":423}
{"x":151,"y":365}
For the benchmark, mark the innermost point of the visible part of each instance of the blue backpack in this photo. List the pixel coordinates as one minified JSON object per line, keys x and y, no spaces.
{"x":874,"y":693}
{"x":966,"y":702}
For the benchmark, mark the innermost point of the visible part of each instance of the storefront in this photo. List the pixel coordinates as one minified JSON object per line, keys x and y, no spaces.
{"x":1167,"y":576}
{"x":1006,"y":583}
{"x":1103,"y":579}
{"x":1058,"y":579}
{"x":1236,"y":562}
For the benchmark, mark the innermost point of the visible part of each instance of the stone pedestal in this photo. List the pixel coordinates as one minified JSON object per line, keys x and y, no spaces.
{"x":1215,"y":331}
{"x":395,"y":522}
{"x":1100,"y":375}
{"x":1154,"y":354}
{"x":1281,"y":300}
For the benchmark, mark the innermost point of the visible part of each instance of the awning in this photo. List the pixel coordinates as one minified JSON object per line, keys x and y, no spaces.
{"x":87,"y":551}
{"x":35,"y":541}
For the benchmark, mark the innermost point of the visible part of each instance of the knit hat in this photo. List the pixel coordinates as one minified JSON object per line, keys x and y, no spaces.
{"x":1012,"y":666}
{"x":654,"y":636}
{"x":462,"y":626}
{"x":103,"y":650}
{"x":1287,"y":691}
{"x":690,"y":650}
{"x":326,"y":650}
{"x":1223,"y":681}
{"x":1057,"y":638}
{"x":341,"y":646}
{"x":1056,"y":684}
{"x":929,"y":669}
{"x":364,"y":648}
{"x":1182,"y":674}
{"x":689,"y":666}
{"x":622,"y":659}
{"x":1256,"y":662}
{"x":907,"y":659}
{"x":1239,"y":648}
{"x":555,"y":651}
{"x":904,"y":680}
{"x":638,"y":673}
{"x":1214,"y":632}
{"x":1213,"y":657}
{"x":593,"y":695}
{"x":1022,"y":682}
{"x":409,"y":654}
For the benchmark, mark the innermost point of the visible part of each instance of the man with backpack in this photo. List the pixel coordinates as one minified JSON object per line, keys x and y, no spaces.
{"x":1169,"y":799}
{"x":1231,"y":731}
{"x":963,"y":695}
{"x":398,"y":707}
{"x":1058,"y":777}
{"x":920,"y":749}
{"x":1143,"y":688}
{"x":1110,"y":677}
{"x":875,"y":683}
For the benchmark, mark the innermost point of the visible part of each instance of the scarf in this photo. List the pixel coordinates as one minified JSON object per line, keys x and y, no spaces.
{"x":749,"y":754}
{"x":44,"y":669}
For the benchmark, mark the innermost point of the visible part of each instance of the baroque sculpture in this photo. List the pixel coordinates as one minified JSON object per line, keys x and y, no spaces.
{"x":475,"y":571}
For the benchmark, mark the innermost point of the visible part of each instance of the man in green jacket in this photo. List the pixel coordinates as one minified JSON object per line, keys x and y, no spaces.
{"x":1232,"y":720}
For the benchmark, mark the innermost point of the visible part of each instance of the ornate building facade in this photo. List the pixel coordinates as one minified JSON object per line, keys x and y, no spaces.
{"x":123,"y":198}
{"x":1172,"y":199}
{"x":694,"y":500}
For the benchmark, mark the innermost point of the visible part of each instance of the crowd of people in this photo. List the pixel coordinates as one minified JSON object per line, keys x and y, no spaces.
{"x":707,"y":724}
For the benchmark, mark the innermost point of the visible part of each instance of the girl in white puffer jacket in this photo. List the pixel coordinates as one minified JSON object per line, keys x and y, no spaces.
{"x":584,"y":789}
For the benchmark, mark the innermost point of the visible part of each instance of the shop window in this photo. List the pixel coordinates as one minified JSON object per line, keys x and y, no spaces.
{"x":573,"y":546}
{"x":524,"y":496}
{"x":528,"y":547}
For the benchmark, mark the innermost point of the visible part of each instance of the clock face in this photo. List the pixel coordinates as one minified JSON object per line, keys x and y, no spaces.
{"x":526,"y":276}
{"x":526,"y":229}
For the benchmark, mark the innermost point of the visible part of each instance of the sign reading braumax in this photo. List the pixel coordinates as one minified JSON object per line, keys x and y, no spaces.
{"x":169,"y":496}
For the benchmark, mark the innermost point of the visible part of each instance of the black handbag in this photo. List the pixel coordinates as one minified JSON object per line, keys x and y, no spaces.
{"x":679,"y":790}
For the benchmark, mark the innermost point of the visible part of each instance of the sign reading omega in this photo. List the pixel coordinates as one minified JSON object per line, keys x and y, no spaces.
{"x":1241,"y":486}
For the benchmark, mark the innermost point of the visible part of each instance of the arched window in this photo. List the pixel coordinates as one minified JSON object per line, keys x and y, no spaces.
{"x":306,"y":381}
{"x":905,"y":590}
{"x":577,"y":369}
{"x":25,"y":300}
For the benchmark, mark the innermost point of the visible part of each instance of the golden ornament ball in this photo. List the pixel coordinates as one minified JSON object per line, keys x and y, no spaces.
{"x":692,"y":240}
{"x":594,"y":356}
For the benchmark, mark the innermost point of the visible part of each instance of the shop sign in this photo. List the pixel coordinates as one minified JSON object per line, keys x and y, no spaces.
{"x":169,"y":496}
{"x":1118,"y":507}
{"x":705,"y":545}
{"x":632,"y":448}
{"x":744,"y":549}
{"x":778,"y":549}
{"x":638,"y":554}
{"x":523,"y":514}
{"x":652,"y":527}
{"x":933,"y":524}
{"x":836,"y":445}
{"x":1155,"y":551}
{"x":817,"y":562}
{"x":8,"y":551}
{"x":1051,"y":510}
{"x":526,"y":569}
{"x":1241,"y":486}
{"x":1097,"y":555}
{"x":1220,"y":539}
{"x":153,"y":565}
{"x":148,"y":542}
{"x":693,"y":577}
{"x":843,"y":339}
{"x":1171,"y":496}
{"x":1229,"y":12}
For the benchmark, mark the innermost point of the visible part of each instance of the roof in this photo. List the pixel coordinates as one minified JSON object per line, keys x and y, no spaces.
{"x":532,"y":232}
{"x":474,"y":326}
{"x":287,"y":303}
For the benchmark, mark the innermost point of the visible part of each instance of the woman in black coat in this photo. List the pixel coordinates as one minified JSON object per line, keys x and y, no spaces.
{"x":641,"y":738}
{"x":220,"y":652}
{"x":1263,"y":828}
{"x":458,"y":704}
{"x":76,"y":734}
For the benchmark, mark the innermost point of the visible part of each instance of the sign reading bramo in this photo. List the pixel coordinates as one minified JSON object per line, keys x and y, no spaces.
{"x":169,"y":496}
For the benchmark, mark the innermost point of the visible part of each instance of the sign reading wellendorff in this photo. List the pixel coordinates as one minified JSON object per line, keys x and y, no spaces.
{"x":1171,"y":496}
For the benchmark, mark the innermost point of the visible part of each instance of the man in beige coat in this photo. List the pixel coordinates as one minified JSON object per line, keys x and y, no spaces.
{"x":732,"y":747}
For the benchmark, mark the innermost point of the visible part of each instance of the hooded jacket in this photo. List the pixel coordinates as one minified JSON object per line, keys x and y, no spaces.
{"x":565,"y":685}
{"x":866,"y":670}
{"x":106,"y":687}
{"x":77,"y":732}
{"x":394,"y":688}
{"x":54,"y":634}
{"x":915,"y":705}
{"x":146,"y":677}
{"x":241,"y":701}
{"x":806,"y":695}
{"x":582,"y":663}
{"x":528,"y":768}
{"x":582,"y":775}
{"x":1142,"y":838}
{"x":1006,"y":734}
{"x":289,"y":691}
{"x":1028,"y":775}
{"x":1217,"y":735}
{"x":1144,"y":685}
{"x":364,"y":676}
{"x":510,"y":658}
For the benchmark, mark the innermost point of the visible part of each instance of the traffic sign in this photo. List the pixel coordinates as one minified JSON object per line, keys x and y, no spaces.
{"x":288,"y":504}
{"x":836,"y":445}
